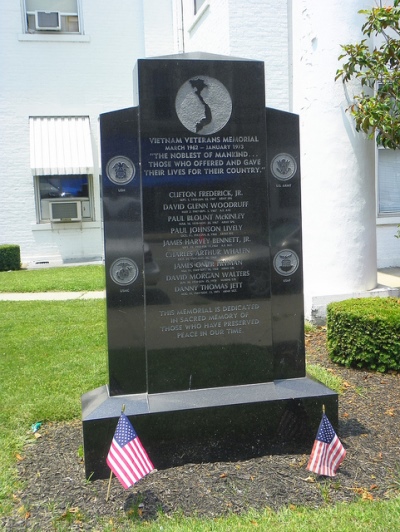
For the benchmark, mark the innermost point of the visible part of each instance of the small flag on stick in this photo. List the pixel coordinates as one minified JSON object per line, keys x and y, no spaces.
{"x":127,"y":458}
{"x":327,"y":453}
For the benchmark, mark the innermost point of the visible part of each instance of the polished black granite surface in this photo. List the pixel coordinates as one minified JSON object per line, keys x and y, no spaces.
{"x":203,"y":255}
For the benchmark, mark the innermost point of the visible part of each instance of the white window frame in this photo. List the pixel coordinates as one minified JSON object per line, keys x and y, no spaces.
{"x":42,"y":204}
{"x":383,"y":217}
{"x":53,"y":33}
{"x":197,"y":5}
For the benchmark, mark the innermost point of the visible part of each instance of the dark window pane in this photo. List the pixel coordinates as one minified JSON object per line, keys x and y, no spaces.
{"x":75,"y":186}
{"x":197,"y":5}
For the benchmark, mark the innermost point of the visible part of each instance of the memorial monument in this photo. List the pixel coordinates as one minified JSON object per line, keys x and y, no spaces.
{"x":203,"y":259}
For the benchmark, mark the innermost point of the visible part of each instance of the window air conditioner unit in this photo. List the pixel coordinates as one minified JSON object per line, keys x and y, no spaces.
{"x":65,"y":211}
{"x":48,"y":20}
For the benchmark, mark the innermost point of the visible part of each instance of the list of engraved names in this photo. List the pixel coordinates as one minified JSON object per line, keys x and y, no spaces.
{"x":208,"y":228}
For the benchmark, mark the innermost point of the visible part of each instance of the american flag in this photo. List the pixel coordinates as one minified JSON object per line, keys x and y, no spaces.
{"x":327,"y":453}
{"x":127,"y":458}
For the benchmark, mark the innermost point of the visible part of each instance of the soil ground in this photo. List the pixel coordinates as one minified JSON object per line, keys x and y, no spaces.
{"x":55,"y":490}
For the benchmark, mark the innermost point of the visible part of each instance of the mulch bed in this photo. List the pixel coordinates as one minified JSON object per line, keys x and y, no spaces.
{"x":55,"y":490}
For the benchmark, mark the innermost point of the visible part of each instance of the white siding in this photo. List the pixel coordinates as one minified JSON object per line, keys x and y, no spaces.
{"x":260,"y":30}
{"x":61,"y":76}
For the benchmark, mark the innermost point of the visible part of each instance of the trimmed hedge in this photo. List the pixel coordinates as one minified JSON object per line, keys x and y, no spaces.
{"x":10,"y":257}
{"x":365,"y":333}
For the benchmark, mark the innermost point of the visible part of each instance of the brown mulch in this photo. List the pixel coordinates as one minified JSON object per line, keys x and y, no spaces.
{"x":55,"y":492}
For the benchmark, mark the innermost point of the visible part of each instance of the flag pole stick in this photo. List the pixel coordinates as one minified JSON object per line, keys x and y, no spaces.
{"x":111,"y":473}
{"x":109,"y":486}
{"x":323,"y":409}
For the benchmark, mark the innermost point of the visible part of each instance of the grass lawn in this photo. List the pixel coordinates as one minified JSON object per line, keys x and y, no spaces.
{"x":50,"y":354}
{"x":53,"y":352}
{"x":65,"y":279}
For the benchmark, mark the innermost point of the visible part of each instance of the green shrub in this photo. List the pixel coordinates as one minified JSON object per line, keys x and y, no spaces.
{"x":10,"y":257}
{"x":365,"y":333}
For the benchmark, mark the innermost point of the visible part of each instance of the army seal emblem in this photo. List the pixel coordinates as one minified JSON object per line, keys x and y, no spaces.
{"x":283,"y":166}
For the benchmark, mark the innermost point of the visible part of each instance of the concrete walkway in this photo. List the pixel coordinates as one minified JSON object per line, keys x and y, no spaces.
{"x":389,"y":277}
{"x":51,"y":296}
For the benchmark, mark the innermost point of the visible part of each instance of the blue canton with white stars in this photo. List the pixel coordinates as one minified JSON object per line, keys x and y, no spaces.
{"x":124,"y":433}
{"x":325,"y":431}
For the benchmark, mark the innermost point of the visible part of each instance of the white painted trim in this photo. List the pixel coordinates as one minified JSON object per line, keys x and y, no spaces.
{"x":36,"y":37}
{"x":199,"y":15}
{"x":65,"y":226}
{"x":388,"y":220}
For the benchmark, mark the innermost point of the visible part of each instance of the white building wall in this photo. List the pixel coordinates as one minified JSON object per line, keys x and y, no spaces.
{"x":338,"y":185}
{"x":208,"y":30}
{"x":53,"y":76}
{"x":302,"y":39}
{"x":255,"y":29}
{"x":259,"y":30}
{"x":60,"y":76}
{"x":160,"y":37}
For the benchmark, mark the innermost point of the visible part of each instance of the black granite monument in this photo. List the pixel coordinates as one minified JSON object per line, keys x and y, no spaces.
{"x":203,"y":257}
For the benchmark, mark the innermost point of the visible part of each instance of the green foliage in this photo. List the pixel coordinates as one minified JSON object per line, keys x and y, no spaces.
{"x":362,"y":516}
{"x":51,"y":352}
{"x":365,"y":333}
{"x":69,"y":278}
{"x":10,"y":257}
{"x":322,"y":375}
{"x":376,"y":110}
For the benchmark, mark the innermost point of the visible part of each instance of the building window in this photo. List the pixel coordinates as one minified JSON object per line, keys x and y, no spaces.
{"x":64,"y":197}
{"x":197,"y":5}
{"x":62,"y":168}
{"x":388,"y":182}
{"x":52,"y":16}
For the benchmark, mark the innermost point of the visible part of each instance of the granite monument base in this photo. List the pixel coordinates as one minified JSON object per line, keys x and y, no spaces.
{"x":206,"y":425}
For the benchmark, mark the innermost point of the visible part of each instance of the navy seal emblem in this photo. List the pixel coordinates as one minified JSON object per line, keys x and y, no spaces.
{"x":120,"y":170}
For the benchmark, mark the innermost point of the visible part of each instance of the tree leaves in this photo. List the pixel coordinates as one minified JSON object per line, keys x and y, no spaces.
{"x":376,"y":108}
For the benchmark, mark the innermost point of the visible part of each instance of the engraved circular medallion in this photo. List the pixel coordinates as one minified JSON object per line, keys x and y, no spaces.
{"x":124,"y":271}
{"x":120,"y":170}
{"x":203,"y":105}
{"x":286,"y":262}
{"x":283,"y":166}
